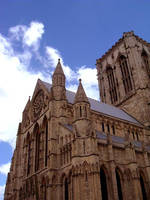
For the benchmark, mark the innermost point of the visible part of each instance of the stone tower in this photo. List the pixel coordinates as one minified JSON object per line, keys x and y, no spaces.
{"x":124,"y":76}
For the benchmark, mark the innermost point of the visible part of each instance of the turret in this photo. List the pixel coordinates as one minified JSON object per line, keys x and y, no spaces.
{"x":58,"y":83}
{"x":81,"y":104}
{"x":81,"y":110}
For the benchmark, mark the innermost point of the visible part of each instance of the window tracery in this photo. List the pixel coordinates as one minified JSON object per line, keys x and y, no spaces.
{"x":112,"y":85}
{"x":45,"y":138}
{"x":146,"y":62}
{"x":126,"y":77}
{"x":37,"y":145}
{"x":29,"y":157}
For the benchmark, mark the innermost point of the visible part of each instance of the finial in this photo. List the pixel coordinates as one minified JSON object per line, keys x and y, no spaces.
{"x":29,"y":97}
{"x":58,"y":59}
{"x":80,"y":80}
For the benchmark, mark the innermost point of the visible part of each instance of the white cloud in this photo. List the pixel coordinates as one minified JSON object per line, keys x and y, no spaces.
{"x":4,"y":169}
{"x":89,"y":81}
{"x":88,"y":76}
{"x":2,"y":189}
{"x":53,"y":55}
{"x":33,"y":34}
{"x":16,"y":84}
{"x":30,"y":36}
{"x":17,"y":32}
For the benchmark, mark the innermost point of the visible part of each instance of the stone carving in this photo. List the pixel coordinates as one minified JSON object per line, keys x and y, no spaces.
{"x":26,"y":119}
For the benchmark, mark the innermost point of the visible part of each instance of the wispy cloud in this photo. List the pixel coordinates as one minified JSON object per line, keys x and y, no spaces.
{"x":30,"y":35}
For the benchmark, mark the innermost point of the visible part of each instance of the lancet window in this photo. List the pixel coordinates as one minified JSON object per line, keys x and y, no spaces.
{"x":126,"y":77}
{"x":112,"y":85}
{"x":103,"y":127}
{"x":45,"y":127}
{"x":119,"y":187}
{"x":113,"y":129}
{"x":108,"y":128}
{"x":29,"y":157}
{"x":65,"y":154}
{"x":103,"y":182}
{"x":43,"y":190}
{"x":37,"y":150}
{"x":146,"y":62}
{"x":143,"y":189}
{"x":66,"y":191}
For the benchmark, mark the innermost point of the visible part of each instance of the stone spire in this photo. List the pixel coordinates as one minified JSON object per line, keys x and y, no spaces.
{"x":80,"y":94}
{"x":58,"y":78}
{"x":58,"y":83}
{"x":59,"y":69}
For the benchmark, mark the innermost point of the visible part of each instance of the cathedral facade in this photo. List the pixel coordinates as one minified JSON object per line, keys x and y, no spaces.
{"x":71,"y":147}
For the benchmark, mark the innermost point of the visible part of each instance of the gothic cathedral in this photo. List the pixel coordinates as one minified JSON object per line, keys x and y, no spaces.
{"x":71,"y":147}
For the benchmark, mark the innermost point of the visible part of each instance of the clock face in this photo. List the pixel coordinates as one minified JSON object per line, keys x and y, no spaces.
{"x":38,"y":103}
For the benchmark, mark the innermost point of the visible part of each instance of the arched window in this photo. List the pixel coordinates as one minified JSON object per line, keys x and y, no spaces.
{"x":103,"y":183}
{"x":137,"y":136}
{"x":146,"y":61}
{"x":119,"y":188}
{"x":43,"y":190}
{"x":29,"y":155}
{"x":80,"y":111}
{"x":45,"y":127}
{"x":125,"y":74}
{"x":103,"y":127}
{"x":133,"y":135}
{"x":108,"y":128}
{"x":113,"y":129}
{"x":66,"y":190}
{"x":112,"y":85}
{"x":143,"y":187}
{"x":37,"y":149}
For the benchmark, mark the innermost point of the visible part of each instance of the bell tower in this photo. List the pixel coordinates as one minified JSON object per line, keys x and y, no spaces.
{"x":124,"y":76}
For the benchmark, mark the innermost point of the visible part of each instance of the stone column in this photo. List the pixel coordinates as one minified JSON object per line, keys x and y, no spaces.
{"x":147,"y":169}
{"x":97,"y":186}
{"x":136,"y":186}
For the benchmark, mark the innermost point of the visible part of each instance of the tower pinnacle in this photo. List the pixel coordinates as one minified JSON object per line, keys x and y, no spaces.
{"x":80,"y":94}
{"x":59,"y":69}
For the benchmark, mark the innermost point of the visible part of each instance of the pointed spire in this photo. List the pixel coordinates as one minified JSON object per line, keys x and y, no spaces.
{"x":80,"y":94}
{"x":58,"y":69}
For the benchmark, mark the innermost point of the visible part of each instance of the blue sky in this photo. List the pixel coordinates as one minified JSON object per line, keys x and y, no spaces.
{"x":35,"y":33}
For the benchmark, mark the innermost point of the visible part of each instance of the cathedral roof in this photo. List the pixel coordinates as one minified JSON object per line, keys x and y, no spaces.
{"x":80,"y":95}
{"x":100,"y":107}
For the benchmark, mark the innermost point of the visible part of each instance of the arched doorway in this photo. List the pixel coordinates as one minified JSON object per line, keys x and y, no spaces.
{"x":103,"y":182}
{"x":143,"y":188}
{"x":119,"y":188}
